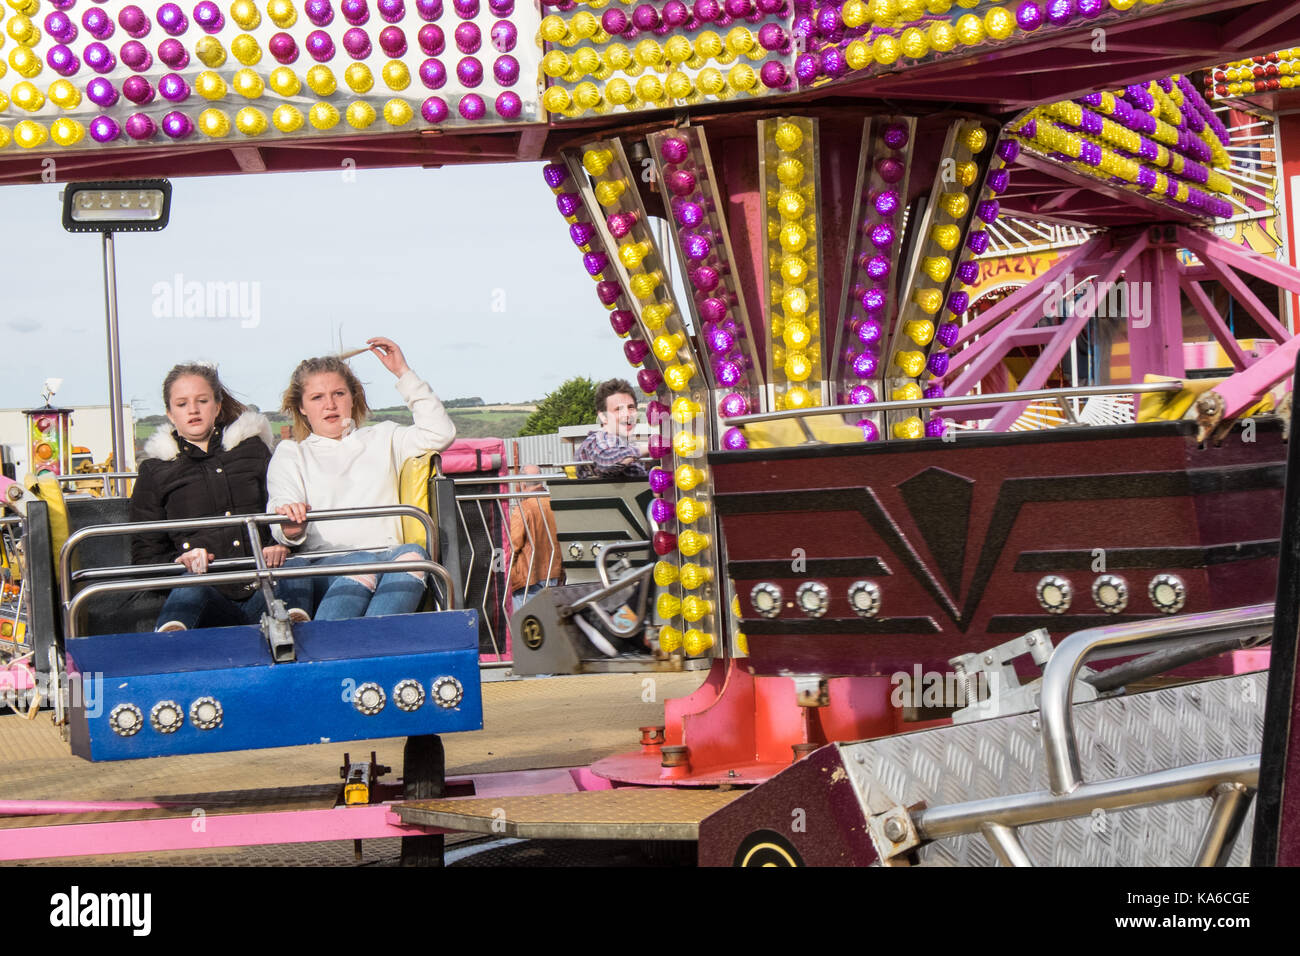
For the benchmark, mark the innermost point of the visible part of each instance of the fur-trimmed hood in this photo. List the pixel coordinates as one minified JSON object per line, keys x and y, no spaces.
{"x":162,"y":443}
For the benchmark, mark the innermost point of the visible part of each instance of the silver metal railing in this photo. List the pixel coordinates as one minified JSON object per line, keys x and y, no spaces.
{"x":260,"y":573}
{"x":118,"y":477}
{"x":1229,"y":783}
{"x":997,"y":398}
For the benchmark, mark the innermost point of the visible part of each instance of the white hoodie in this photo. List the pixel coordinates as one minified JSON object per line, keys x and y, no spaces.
{"x":356,"y":471}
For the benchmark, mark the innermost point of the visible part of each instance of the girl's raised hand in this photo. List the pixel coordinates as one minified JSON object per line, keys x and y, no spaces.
{"x":390,"y":353}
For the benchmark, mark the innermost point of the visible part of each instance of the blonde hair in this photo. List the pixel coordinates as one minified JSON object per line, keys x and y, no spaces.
{"x":291,"y":402}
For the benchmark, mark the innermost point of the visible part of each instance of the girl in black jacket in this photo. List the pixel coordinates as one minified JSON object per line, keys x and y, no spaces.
{"x":213,"y":462}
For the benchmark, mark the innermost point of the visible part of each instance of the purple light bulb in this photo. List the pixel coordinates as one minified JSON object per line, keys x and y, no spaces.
{"x":208,"y":16}
{"x":733,"y":404}
{"x":886,"y":202}
{"x":622,"y":321}
{"x":680,"y":182}
{"x":433,"y":74}
{"x":958,"y":303}
{"x":873,"y":300}
{"x":1092,"y":8}
{"x":506,"y":70}
{"x":1029,"y":16}
{"x":933,"y":390}
{"x":733,"y":439}
{"x":705,"y":278}
{"x":468,"y":38}
{"x":501,"y":8}
{"x":62,"y":60}
{"x":283,"y":48}
{"x":807,"y":66}
{"x":470,"y":72}
{"x":391,"y":11}
{"x":869,"y":332}
{"x":595,"y":263}
{"x":696,"y":247}
{"x":136,"y":56}
{"x":651,"y":381}
{"x":97,"y":23}
{"x":689,"y":214}
{"x":621,"y":223}
{"x":660,"y":480}
{"x":865,"y":364}
{"x":508,"y":105}
{"x":60,"y":26}
{"x":635,"y":350}
{"x":713,"y":309}
{"x":729,"y":373}
{"x":706,"y":11}
{"x":645,"y":17}
{"x":319,"y":46}
{"x":100,"y":59}
{"x":999,"y":179}
{"x":355,"y":11}
{"x":607,"y":292}
{"x":878,"y":267}
{"x":869,"y":430}
{"x":978,"y":242}
{"x":676,"y":13}
{"x":614,"y":21}
{"x":946,"y":334}
{"x":1008,"y":150}
{"x":773,"y":75}
{"x":504,"y":36}
{"x":772,"y":37}
{"x":891,"y":170}
{"x":140,"y":127}
{"x":938,"y":364}
{"x":895,"y":135}
{"x":861,"y":395}
{"x":429,"y":9}
{"x":674,"y":150}
{"x":720,"y":341}
{"x":172,"y":88}
{"x":173,"y":53}
{"x":935,"y":428}
{"x":101,"y":92}
{"x":555,"y":175}
{"x":134,"y":21}
{"x":1060,"y":12}
{"x":968,"y":272}
{"x":357,"y":43}
{"x":104,"y":130}
{"x":138,"y":90}
{"x":434,"y":110}
{"x":987,"y":210}
{"x":656,"y":412}
{"x":465,"y":9}
{"x":392,"y":41}
{"x":881,"y":235}
{"x":177,"y":125}
{"x":581,"y":233}
{"x":319,"y":12}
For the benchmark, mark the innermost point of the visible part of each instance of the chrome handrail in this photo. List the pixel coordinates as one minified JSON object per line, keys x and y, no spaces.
{"x":955,"y":400}
{"x":73,"y":608}
{"x":1060,"y":748}
{"x":102,"y":476}
{"x":249,"y":521}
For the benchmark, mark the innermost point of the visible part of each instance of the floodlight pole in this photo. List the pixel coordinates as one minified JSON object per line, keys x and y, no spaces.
{"x":114,"y":360}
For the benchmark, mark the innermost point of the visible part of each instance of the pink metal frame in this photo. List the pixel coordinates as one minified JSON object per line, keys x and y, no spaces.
{"x":367,"y":822}
{"x":1146,"y":256}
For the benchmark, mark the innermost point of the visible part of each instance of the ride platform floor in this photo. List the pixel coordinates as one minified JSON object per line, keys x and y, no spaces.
{"x":528,"y":724}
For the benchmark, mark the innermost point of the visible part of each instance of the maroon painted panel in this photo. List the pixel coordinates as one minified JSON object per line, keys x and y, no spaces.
{"x":957,"y":535}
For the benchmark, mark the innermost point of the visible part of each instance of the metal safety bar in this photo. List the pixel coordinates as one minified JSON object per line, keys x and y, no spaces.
{"x":602,"y":559}
{"x":1049,"y":394}
{"x":249,"y":522}
{"x":507,"y":479}
{"x":105,"y":476}
{"x":175,"y":570}
{"x":1060,"y":748}
{"x":73,"y":608}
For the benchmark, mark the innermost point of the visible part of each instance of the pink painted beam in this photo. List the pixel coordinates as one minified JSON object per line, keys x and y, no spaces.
{"x":1213,"y":250}
{"x":1245,"y":388}
{"x":1156,"y":348}
{"x":1035,"y":336}
{"x":1197,"y":295}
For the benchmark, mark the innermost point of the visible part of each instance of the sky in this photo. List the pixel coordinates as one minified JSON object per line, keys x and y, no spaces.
{"x":470,"y":269}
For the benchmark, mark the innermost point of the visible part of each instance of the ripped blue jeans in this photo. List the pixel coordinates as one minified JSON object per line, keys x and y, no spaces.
{"x":370,"y":595}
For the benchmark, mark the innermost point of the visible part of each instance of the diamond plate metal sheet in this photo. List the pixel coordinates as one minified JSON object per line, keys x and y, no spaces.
{"x":1118,"y":737}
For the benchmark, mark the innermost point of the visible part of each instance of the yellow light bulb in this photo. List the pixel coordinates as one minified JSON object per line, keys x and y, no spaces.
{"x":553,"y":29}
{"x":942,"y":36}
{"x":665,"y":573}
{"x":967,"y":173}
{"x":790,"y":204}
{"x":854,"y":13}
{"x":320,"y":80}
{"x":616,"y":57}
{"x":909,"y":428}
{"x":596,"y":161}
{"x":358,"y":78}
{"x":938,"y":268}
{"x":287,"y":119}
{"x":693,"y":576}
{"x":687,"y":445}
{"x":607,"y":193}
{"x":947,"y":237}
{"x":584,"y":25}
{"x":667,"y":606}
{"x":742,"y":642}
{"x":796,"y":335}
{"x":789,"y":172}
{"x":970,"y":29}
{"x":396,"y":75}
{"x":691,"y":543}
{"x":650,"y":89}
{"x":955,"y":204}
{"x":794,"y":269}
{"x":633,"y":253}
{"x":913,"y":44}
{"x":797,"y":368}
{"x":884,"y":49}
{"x":788,"y":137}
{"x":66,"y":131}
{"x":64,"y":95}
{"x":739,"y":41}
{"x":282,"y":13}
{"x":648,"y":53}
{"x":689,"y":510}
{"x":214,"y":123}
{"x":688,"y":476}
{"x":250,"y":121}
{"x":920,"y":331}
{"x":654,"y":316}
{"x":742,"y":77}
{"x":643,"y":286}
{"x":796,"y":396}
{"x":556,"y":63}
{"x":795,"y":302}
{"x":26,"y":96}
{"x":710,"y":81}
{"x":323,"y":116}
{"x":670,"y":639}
{"x":999,"y":24}
{"x":708,"y":45}
{"x":30,"y":135}
{"x":360,"y":114}
{"x":665,"y":348}
{"x":210,"y":51}
{"x":25,"y":61}
{"x":246,"y":49}
{"x":244,"y":13}
{"x":284,"y":81}
{"x":857,"y":55}
{"x":975,"y":138}
{"x":695,"y":608}
{"x":912,"y":363}
{"x":696,"y":642}
{"x":792,"y":237}
{"x":678,"y":377}
{"x":678,"y":85}
{"x":556,"y":100}
{"x":910,"y":392}
{"x":248,"y":84}
{"x":678,"y":49}
{"x":586,"y":95}
{"x":210,"y":85}
{"x":618,"y":91}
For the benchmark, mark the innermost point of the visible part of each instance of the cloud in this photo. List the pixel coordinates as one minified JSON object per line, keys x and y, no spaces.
{"x":22,"y":325}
